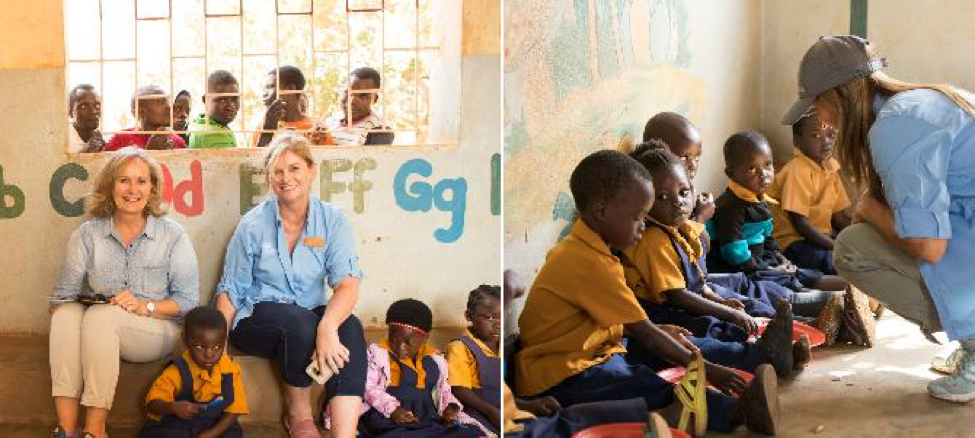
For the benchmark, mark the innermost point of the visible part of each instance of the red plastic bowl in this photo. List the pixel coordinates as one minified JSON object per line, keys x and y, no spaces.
{"x":816,"y":337}
{"x":621,"y":430}
{"x":673,"y":375}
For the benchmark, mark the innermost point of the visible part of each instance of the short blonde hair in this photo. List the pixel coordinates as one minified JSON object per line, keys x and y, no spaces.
{"x":296,"y":144}
{"x":101,"y":203}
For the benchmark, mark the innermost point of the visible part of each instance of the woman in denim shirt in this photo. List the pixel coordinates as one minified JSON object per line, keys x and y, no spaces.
{"x":144,"y":265}
{"x":912,"y":147}
{"x":273,"y":294}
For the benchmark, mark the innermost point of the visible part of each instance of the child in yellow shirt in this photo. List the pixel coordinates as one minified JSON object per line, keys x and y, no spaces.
{"x":201,"y":393}
{"x":579,"y":307}
{"x":475,"y":366}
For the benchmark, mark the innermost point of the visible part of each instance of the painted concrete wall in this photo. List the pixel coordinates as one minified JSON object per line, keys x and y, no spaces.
{"x":585,"y":75}
{"x":426,"y":220}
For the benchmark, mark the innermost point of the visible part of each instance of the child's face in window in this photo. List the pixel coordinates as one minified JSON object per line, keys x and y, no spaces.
{"x":690,"y":155}
{"x":815,"y":139}
{"x":181,"y":111}
{"x":292,"y":100}
{"x":619,"y":219}
{"x":674,"y":198}
{"x":755,"y":172}
{"x":223,"y":109}
{"x":206,"y":346}
{"x":486,"y":320}
{"x":361,"y":102}
{"x":87,"y":110}
{"x":405,"y":342}
{"x":154,"y":111}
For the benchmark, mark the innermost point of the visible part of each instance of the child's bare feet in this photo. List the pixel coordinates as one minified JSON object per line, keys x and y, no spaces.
{"x":759,"y":404}
{"x":777,"y":339}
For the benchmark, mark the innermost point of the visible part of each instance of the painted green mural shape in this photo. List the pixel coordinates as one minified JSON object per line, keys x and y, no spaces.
{"x":360,"y":185}
{"x":15,"y":194}
{"x":564,"y":208}
{"x":496,"y":184}
{"x":858,"y":18}
{"x":249,"y":190}
{"x":58,"y":180}
{"x":329,"y":169}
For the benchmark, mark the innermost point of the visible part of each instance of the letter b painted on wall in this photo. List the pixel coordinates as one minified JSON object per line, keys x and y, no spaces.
{"x":421,"y":196}
{"x":11,"y":199}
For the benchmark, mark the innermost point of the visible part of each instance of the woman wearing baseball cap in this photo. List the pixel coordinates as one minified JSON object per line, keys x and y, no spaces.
{"x":912,"y":146}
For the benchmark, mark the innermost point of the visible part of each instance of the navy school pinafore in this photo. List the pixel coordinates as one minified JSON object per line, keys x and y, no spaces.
{"x":172,"y":426}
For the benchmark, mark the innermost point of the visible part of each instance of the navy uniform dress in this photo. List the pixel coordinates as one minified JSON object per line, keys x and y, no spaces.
{"x":419,"y":401}
{"x":720,"y":342}
{"x":489,"y":374}
{"x":172,"y":426}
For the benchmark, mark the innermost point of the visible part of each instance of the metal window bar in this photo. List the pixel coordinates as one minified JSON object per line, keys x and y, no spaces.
{"x":416,"y":49}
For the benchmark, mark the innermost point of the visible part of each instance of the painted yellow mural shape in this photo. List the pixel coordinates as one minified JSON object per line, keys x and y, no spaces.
{"x":582,"y":76}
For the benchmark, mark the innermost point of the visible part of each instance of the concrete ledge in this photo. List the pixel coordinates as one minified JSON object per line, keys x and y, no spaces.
{"x":25,"y":389}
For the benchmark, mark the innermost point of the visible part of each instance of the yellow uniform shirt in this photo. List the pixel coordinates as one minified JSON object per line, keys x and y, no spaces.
{"x":462,"y":364}
{"x":512,"y":413}
{"x":574,"y":314}
{"x":806,"y":188}
{"x":206,"y":385}
{"x":415,"y":364}
{"x":653,"y":267}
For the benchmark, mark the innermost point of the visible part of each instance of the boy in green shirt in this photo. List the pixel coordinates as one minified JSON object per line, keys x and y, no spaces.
{"x":210,"y":130}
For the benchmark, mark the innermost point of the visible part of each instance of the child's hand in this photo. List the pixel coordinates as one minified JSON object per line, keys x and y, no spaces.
{"x":704,"y":208}
{"x":318,"y":135}
{"x":745,"y":321}
{"x":275,"y":112}
{"x":542,"y":407}
{"x":159,"y":142}
{"x":733,"y":303}
{"x":450,"y":414}
{"x":186,"y":410}
{"x":402,"y":416}
{"x":95,"y":144}
{"x":679,"y":334}
{"x":725,"y":379}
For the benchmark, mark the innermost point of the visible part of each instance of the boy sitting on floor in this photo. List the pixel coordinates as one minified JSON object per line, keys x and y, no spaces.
{"x":579,"y":308}
{"x":201,"y":394}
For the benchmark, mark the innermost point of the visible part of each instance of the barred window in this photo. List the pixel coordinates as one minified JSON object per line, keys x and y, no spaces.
{"x":120,"y":45}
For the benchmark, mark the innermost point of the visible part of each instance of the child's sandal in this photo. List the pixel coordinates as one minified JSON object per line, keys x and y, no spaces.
{"x":657,"y":427}
{"x":691,"y":391}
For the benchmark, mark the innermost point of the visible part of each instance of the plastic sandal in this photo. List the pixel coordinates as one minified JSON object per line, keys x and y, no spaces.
{"x":657,"y":427}
{"x":691,"y":392}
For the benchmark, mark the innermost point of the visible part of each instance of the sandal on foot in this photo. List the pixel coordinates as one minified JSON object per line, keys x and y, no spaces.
{"x":301,"y":428}
{"x":691,"y":391}
{"x":759,"y":404}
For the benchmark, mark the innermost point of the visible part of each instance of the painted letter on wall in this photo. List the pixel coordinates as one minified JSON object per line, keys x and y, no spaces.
{"x":60,"y":177}
{"x":16,"y":207}
{"x":420,"y":196}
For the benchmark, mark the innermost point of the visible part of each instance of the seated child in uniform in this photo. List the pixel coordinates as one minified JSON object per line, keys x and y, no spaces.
{"x":211,"y":130}
{"x":544,"y":417}
{"x":683,"y":139}
{"x":741,"y":240}
{"x":407,"y":394}
{"x":201,"y":393}
{"x":811,"y":198}
{"x":665,"y":271}
{"x":579,"y":306}
{"x":681,"y":136}
{"x":475,"y":365}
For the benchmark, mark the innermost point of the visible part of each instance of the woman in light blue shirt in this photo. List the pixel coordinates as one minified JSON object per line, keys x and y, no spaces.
{"x":273,"y":291}
{"x":144,"y":264}
{"x":912,"y":146}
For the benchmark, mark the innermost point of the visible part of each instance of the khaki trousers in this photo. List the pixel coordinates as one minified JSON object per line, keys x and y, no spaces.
{"x":87,"y":343}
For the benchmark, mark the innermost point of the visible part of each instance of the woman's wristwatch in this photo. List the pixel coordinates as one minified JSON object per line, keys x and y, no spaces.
{"x":150,"y":308}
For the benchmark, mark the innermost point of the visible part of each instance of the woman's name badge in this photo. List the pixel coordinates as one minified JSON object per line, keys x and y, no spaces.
{"x":314,"y":241}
